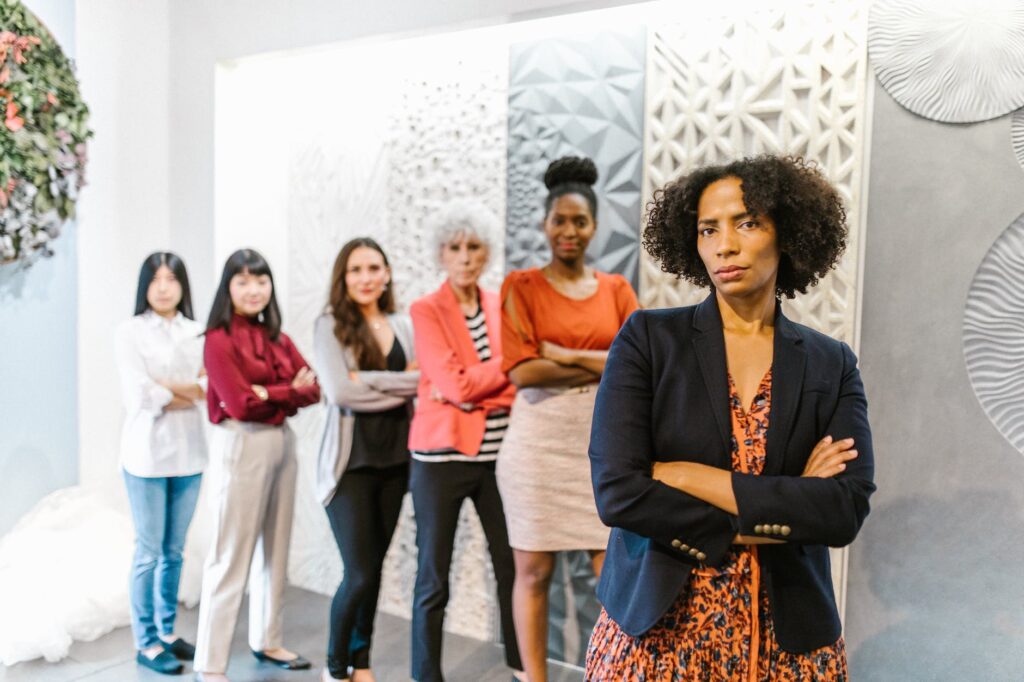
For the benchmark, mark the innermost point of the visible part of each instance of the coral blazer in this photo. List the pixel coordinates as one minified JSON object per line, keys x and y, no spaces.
{"x":449,"y":361}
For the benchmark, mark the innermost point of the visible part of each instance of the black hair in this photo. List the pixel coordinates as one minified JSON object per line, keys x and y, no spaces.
{"x":810,"y":221}
{"x":250,"y":261}
{"x":571,"y":175}
{"x":148,"y":271}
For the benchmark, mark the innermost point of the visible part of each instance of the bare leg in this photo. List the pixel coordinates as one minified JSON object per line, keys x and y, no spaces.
{"x":530,"y":609}
{"x":597,"y":560}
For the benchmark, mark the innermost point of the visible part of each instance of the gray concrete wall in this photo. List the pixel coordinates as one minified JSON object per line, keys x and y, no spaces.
{"x":936,"y":588}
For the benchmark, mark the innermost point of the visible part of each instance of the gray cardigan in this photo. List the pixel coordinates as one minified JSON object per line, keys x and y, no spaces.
{"x":375,"y":391}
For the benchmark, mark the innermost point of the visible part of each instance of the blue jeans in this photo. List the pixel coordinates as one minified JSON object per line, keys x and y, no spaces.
{"x":161,"y":511}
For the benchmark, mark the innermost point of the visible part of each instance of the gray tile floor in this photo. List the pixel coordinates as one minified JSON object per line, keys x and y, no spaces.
{"x":112,"y":658}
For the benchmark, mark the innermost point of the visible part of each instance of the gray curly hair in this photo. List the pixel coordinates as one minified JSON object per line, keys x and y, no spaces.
{"x":463,"y":218}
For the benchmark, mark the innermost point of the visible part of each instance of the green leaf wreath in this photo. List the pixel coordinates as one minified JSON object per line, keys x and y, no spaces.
{"x":42,"y":138}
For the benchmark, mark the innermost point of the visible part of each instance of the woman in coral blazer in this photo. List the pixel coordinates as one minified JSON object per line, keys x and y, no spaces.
{"x":460,"y":420}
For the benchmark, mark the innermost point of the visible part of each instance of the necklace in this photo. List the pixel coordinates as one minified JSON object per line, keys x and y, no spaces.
{"x":375,"y":325}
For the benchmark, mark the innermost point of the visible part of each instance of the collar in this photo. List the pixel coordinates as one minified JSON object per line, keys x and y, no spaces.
{"x":708,"y":317}
{"x":154,"y":320}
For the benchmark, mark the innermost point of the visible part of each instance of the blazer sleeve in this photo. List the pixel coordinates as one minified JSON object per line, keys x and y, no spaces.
{"x":828,"y":511}
{"x":333,"y":374}
{"x":622,"y":455}
{"x":457,"y":382}
{"x":230,"y":383}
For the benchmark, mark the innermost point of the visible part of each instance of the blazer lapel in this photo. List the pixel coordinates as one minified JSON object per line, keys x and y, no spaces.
{"x":456,"y":322}
{"x":788,"y":364}
{"x":709,"y":343}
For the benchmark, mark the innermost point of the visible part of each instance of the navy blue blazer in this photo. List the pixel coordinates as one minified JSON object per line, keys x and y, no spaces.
{"x":664,"y":396}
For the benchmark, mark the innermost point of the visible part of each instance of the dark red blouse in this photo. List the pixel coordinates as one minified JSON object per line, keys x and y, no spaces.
{"x":245,"y":356}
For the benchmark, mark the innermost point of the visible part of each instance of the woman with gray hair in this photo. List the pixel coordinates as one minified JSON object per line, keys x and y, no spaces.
{"x":460,"y":419}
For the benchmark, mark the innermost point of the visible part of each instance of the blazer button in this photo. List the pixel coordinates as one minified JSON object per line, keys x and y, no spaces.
{"x":776,"y":529}
{"x":694,"y":551}
{"x":702,"y":556}
{"x":759,"y":529}
{"x":786,"y":530}
{"x":676,"y":544}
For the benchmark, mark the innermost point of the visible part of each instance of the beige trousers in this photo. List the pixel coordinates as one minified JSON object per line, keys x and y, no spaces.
{"x":253,"y":469}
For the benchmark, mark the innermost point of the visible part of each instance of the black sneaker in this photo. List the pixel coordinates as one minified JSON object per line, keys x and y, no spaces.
{"x":163,"y":663}
{"x":182,"y":650}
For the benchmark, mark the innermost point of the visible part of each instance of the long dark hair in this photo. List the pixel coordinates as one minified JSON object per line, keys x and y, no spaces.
{"x":250,"y":261}
{"x":350,"y":326}
{"x":148,"y":271}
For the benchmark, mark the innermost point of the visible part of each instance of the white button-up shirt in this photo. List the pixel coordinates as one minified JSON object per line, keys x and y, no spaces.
{"x":150,"y":349}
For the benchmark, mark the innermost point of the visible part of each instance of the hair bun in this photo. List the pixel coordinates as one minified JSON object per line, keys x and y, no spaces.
{"x":570,"y":169}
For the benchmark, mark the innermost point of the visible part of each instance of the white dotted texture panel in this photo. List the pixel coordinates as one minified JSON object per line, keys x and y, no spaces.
{"x":789,"y":81}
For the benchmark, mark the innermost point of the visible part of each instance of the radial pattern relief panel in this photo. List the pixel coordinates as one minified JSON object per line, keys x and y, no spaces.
{"x":993,"y":334}
{"x":580,"y":96}
{"x":950,"y":60}
{"x":778,"y":81}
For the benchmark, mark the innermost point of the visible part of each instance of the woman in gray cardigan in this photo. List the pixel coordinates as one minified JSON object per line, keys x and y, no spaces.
{"x":364,"y":357}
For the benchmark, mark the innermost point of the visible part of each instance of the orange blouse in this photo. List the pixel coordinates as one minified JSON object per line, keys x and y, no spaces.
{"x":545,"y":314}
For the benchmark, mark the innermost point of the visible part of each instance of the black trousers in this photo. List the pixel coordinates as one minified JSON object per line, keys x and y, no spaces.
{"x":438,"y":490}
{"x":363,"y":514}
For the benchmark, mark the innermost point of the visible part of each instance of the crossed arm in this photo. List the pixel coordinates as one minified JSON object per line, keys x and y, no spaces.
{"x":714,"y":486}
{"x":710,"y":508}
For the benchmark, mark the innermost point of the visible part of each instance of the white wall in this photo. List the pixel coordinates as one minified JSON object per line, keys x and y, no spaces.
{"x":204,"y":33}
{"x":147,"y":71}
{"x":123,"y":67}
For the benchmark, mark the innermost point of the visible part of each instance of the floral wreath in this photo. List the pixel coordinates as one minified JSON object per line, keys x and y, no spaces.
{"x":42,"y":138}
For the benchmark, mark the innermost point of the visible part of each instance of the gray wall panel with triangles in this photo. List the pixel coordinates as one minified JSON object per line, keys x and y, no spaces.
{"x":580,"y":96}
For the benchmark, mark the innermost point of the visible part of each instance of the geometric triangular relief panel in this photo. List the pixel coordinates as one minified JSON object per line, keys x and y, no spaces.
{"x":779,"y":81}
{"x":577,"y":96}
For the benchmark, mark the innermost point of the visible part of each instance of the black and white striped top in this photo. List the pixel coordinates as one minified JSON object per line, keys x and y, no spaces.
{"x":497,"y":422}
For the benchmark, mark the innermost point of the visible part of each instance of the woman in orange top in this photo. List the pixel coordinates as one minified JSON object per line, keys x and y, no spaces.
{"x":558,"y":322}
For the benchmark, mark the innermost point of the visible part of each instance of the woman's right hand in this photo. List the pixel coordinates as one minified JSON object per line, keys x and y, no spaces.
{"x":304,"y":377}
{"x":829,"y":458}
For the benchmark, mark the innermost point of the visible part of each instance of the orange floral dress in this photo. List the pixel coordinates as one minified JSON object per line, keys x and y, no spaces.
{"x":720,"y":627}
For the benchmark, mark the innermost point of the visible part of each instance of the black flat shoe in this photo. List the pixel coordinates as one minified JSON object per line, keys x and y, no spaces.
{"x":181,"y":650}
{"x":297,"y":663}
{"x":163,"y":663}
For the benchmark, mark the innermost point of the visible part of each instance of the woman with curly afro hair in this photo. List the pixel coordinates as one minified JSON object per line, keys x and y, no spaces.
{"x":731,"y":446}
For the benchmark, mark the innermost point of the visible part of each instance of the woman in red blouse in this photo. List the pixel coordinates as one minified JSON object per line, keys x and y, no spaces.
{"x":257,"y":379}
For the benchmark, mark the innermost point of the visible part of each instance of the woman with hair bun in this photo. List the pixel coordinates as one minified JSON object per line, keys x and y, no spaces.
{"x":558,"y":322}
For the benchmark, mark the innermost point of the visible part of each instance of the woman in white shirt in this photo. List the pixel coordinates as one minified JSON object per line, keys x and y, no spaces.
{"x":163,"y":451}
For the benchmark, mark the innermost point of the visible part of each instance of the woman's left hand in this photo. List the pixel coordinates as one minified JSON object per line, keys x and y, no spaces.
{"x":556,"y":353}
{"x":670,"y":473}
